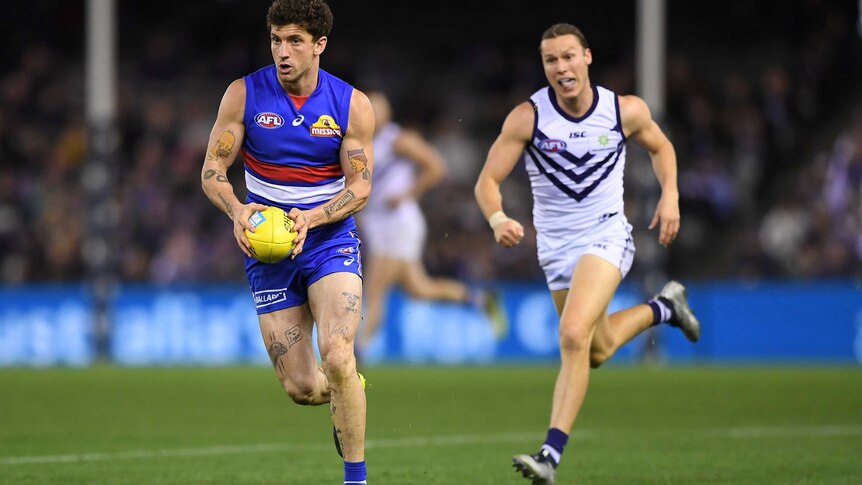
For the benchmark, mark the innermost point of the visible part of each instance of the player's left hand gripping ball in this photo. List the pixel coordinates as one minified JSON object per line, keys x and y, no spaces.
{"x":273,"y":236}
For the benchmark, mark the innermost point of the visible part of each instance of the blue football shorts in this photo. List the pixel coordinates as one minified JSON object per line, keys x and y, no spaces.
{"x":327,"y":249}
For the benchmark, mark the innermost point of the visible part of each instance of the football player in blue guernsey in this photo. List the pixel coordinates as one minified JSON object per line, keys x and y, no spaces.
{"x":304,"y":136}
{"x":572,"y":136}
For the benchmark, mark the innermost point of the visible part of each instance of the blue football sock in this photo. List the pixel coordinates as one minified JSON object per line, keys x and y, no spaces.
{"x":354,"y":473}
{"x":555,"y":442}
{"x":662,"y":310}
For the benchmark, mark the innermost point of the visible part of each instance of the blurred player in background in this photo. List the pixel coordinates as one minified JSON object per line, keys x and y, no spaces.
{"x":305,"y":138}
{"x":572,"y":135}
{"x":393,"y":226}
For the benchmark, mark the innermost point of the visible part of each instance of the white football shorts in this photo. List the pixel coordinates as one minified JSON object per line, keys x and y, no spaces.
{"x":612,"y":241}
{"x":398,"y":234}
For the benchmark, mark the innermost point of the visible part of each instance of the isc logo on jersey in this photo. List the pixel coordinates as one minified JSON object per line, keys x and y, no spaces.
{"x":325,"y":126}
{"x":268,"y":120}
{"x":552,"y":146}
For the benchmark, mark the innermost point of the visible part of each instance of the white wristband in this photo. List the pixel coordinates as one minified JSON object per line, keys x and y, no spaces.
{"x":497,"y":218}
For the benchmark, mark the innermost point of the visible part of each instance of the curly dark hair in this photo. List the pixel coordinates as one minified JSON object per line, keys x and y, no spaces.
{"x":312,"y":15}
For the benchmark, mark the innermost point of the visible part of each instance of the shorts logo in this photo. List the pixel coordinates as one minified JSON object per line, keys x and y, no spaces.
{"x":268,"y":120}
{"x":325,"y":126}
{"x":269,"y":297}
{"x":347,"y":250}
{"x":552,"y":146}
{"x":348,"y":261}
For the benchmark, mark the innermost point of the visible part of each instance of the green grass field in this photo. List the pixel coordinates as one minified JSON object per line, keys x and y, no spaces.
{"x":743,"y":425}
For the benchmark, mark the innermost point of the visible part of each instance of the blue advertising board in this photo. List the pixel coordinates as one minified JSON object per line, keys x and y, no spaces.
{"x":44,"y":325}
{"x":769,"y":322}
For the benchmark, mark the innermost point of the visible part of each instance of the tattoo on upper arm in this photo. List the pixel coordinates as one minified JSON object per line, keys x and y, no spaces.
{"x":218,"y":174}
{"x":359,"y":162}
{"x":223,"y":146}
{"x":331,"y":209}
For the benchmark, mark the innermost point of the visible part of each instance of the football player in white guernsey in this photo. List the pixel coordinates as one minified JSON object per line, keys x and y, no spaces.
{"x":392,"y":225}
{"x":572,"y":136}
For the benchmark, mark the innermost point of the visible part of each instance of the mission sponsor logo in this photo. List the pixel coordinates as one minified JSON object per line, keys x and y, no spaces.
{"x":268,"y":120}
{"x":325,"y":126}
{"x":268,"y":297}
{"x":552,"y":146}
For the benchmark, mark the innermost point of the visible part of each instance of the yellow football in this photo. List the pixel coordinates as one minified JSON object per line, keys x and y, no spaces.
{"x":273,"y":236}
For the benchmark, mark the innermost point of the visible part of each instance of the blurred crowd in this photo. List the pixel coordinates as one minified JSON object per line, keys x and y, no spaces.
{"x":768,"y":135}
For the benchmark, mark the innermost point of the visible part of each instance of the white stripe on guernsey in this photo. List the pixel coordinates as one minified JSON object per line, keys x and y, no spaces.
{"x":293,"y":194}
{"x":824,"y":431}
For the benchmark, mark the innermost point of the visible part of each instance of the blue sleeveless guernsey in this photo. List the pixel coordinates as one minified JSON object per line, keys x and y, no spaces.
{"x":291,"y":156}
{"x":292,"y":159}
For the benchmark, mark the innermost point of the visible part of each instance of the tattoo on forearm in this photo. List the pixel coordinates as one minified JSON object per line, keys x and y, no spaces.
{"x":331,"y":209}
{"x":223,"y":146}
{"x":352,"y":302}
{"x":359,"y":162}
{"x":218,"y":174}
{"x":227,"y":205}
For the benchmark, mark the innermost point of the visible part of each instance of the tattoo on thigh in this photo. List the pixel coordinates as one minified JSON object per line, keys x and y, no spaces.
{"x":294,"y":335}
{"x":276,"y":350}
{"x":338,"y":328}
{"x":352,"y":302}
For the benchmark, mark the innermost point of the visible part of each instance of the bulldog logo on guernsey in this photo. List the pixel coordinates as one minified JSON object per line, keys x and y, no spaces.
{"x":552,"y":146}
{"x":268,"y":120}
{"x":325,"y":126}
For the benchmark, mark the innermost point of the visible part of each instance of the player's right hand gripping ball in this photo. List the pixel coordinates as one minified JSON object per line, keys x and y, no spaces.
{"x":273,"y":236}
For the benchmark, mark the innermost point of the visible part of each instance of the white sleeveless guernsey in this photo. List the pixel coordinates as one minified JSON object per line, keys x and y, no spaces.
{"x":398,"y":232}
{"x":575,"y":167}
{"x":393,"y":175}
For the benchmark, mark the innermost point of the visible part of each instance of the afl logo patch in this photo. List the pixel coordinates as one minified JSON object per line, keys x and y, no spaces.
{"x":552,"y":146}
{"x":268,"y":120}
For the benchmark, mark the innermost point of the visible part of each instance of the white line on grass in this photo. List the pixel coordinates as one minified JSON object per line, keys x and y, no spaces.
{"x":420,"y":441}
{"x":413,"y":442}
{"x":788,"y":432}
